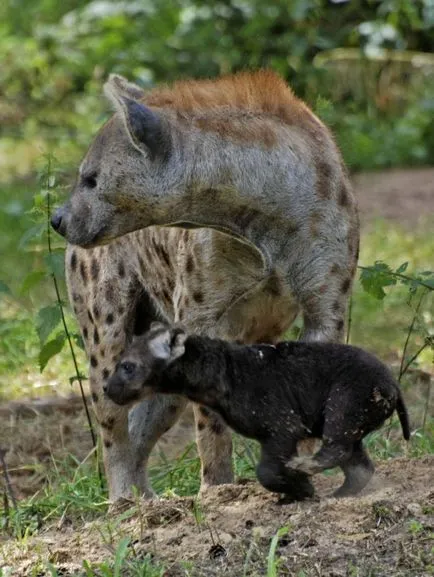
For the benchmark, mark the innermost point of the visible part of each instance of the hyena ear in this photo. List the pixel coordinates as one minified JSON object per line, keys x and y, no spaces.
{"x":122,"y":87}
{"x":145,"y":127}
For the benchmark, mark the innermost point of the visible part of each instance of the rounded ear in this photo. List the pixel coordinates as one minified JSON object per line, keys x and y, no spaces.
{"x":122,"y":87}
{"x":144,"y":126}
{"x":177,"y":343}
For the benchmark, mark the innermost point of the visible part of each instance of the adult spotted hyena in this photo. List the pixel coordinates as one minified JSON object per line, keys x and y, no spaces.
{"x":224,"y":204}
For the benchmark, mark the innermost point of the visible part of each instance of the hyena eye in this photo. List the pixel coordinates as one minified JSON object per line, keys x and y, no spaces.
{"x":89,"y":181}
{"x":128,"y":368}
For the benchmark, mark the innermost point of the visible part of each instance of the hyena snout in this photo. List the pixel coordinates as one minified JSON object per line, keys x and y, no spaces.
{"x":58,"y":220}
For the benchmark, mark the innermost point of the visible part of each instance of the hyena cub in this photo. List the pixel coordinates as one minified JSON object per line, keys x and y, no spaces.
{"x":277,"y":395}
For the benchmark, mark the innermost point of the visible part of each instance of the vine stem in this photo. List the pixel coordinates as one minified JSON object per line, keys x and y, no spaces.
{"x":401,"y":276}
{"x":403,"y":370}
{"x":62,"y":314}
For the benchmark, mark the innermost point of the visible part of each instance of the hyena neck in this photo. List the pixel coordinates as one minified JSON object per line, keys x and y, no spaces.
{"x":200,"y":374}
{"x":225,"y":194}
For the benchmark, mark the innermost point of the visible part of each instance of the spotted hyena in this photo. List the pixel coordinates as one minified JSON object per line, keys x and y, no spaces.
{"x":276,"y":394}
{"x":223,"y":204}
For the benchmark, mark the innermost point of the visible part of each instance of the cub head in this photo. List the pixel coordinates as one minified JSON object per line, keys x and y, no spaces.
{"x":143,"y":362}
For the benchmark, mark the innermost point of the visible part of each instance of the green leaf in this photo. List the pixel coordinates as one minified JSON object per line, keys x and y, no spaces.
{"x":4,"y":288}
{"x":55,"y":262}
{"x":33,"y":233}
{"x":121,"y":553}
{"x":50,"y":349}
{"x":375,"y":278}
{"x":402,"y":268}
{"x":78,"y":341}
{"x":46,"y":321}
{"x":32,"y":279}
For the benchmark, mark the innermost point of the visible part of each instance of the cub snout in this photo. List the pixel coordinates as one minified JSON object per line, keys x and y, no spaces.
{"x":118,"y":390}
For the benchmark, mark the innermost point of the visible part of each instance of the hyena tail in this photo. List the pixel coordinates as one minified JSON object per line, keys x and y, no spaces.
{"x":401,"y":409}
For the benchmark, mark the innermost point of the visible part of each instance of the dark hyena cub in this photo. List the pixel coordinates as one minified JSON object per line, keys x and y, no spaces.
{"x":277,"y":395}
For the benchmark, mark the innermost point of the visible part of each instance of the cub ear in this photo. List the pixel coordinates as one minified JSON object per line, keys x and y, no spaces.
{"x":177,"y":343}
{"x":145,"y":127}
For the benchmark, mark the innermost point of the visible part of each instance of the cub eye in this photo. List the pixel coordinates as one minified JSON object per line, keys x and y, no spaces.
{"x":128,"y":368}
{"x":89,"y":181}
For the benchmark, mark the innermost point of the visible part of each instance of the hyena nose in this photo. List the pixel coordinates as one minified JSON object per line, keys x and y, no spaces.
{"x":56,"y":219}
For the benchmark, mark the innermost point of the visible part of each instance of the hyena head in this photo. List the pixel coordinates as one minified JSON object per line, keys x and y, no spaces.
{"x":131,"y":162}
{"x":144,"y":360}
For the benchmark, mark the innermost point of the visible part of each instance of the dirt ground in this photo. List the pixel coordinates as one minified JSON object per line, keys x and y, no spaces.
{"x":388,"y":530}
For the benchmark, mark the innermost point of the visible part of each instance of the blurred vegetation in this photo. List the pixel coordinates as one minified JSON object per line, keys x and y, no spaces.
{"x":365,"y":66}
{"x":55,"y":56}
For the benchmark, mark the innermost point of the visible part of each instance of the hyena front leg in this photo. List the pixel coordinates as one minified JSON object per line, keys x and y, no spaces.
{"x":106,"y":306}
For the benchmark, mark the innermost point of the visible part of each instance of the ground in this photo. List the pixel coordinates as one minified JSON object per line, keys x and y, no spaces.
{"x":388,"y":530}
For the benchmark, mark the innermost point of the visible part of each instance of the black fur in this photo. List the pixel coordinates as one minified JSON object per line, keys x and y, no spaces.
{"x":278,"y":396}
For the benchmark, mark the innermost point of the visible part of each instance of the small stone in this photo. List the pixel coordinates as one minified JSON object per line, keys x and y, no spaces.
{"x":414,"y":508}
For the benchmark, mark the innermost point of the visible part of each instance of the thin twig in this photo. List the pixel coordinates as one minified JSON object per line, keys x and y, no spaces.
{"x":427,"y":403}
{"x":7,"y":478}
{"x":62,"y":314}
{"x":350,"y":311}
{"x":407,"y":340}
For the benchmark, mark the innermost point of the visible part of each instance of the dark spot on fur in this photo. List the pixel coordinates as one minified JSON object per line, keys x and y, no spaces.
{"x":94,"y":269}
{"x":274,"y":285}
{"x":110,"y":319}
{"x":189,"y":267}
{"x":121,"y":269}
{"x":205,"y":412}
{"x":89,"y":314}
{"x":340,"y":325}
{"x":171,"y":285}
{"x":85,"y":333}
{"x":121,"y":310}
{"x":181,"y":315}
{"x":336,"y":306}
{"x":76,"y":298}
{"x":94,"y":397}
{"x":96,"y":336}
{"x":102,"y":352}
{"x":107,"y":444}
{"x":105,"y":374}
{"x":73,"y":261}
{"x":110,"y":293}
{"x":96,"y":312}
{"x":201,"y":425}
{"x":217,"y":427}
{"x":93,"y":361}
{"x":335,"y":269}
{"x":343,"y":197}
{"x":198,"y":297}
{"x":166,"y":295}
{"x":205,"y":471}
{"x":116,"y":334}
{"x":83,"y":272}
{"x":323,"y":174}
{"x":165,"y":256}
{"x":108,"y":424}
{"x":346,"y":285}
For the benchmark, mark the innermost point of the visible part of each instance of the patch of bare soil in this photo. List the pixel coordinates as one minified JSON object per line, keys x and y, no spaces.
{"x":387,"y":531}
{"x":402,"y":195}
